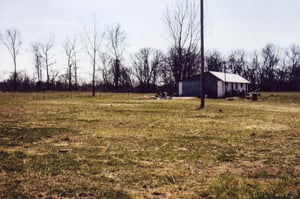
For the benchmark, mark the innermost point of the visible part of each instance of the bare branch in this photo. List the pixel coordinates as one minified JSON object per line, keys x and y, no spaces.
{"x":45,"y":48}
{"x":69,"y":47}
{"x":116,"y":45}
{"x":36,"y":50}
{"x":147,"y":63}
{"x":12,"y":41}
{"x":93,"y":40}
{"x":183,"y":28}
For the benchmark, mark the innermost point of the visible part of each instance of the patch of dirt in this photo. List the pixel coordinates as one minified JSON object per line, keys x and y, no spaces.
{"x":287,"y":108}
{"x":267,"y":127}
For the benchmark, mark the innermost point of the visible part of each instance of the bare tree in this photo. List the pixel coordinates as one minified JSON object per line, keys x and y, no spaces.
{"x":157,"y":62}
{"x":48,"y":59}
{"x":215,"y":61}
{"x":165,"y":77}
{"x":12,"y":41}
{"x":36,"y":49}
{"x":69,"y":47}
{"x":116,"y":45}
{"x":270,"y":60}
{"x":146,"y":64}
{"x":53,"y":77}
{"x":293,"y":62}
{"x":183,"y":29}
{"x":106,"y":75}
{"x":237,"y":62}
{"x":125,"y":78}
{"x":75,"y":65}
{"x":94,"y":39}
{"x":254,"y":71}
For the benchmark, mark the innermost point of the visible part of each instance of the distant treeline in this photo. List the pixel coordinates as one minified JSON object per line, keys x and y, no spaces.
{"x":271,"y":69}
{"x":25,"y":84}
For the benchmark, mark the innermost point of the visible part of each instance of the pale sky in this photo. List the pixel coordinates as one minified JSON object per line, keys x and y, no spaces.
{"x":229,"y":24}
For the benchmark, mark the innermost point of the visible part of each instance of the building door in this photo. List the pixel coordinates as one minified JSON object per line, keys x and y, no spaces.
{"x":220,"y":89}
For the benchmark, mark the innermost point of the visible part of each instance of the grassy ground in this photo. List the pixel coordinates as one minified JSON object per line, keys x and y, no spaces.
{"x":62,"y":145}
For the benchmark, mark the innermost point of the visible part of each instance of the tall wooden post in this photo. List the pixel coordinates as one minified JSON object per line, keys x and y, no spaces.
{"x":202,"y":56}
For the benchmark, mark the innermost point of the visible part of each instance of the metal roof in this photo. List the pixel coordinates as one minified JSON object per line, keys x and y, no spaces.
{"x":229,"y":77}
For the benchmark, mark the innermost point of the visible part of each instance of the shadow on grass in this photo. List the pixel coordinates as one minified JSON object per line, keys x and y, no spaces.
{"x":12,"y":162}
{"x":11,"y":136}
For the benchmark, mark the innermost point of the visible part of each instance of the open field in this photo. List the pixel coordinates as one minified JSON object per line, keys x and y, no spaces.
{"x":62,"y":145}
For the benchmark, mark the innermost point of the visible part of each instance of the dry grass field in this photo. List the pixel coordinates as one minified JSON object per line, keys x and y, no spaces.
{"x":70,"y":145}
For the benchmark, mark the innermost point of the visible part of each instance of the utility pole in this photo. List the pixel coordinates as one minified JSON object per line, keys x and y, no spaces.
{"x":225,"y":80}
{"x":202,"y":55}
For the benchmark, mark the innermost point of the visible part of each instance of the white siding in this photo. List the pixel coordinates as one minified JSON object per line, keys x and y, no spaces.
{"x":229,"y":87}
{"x":221,"y":90}
{"x":180,"y":89}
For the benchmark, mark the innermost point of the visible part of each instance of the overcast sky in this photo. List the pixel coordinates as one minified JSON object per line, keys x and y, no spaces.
{"x":230,"y":24}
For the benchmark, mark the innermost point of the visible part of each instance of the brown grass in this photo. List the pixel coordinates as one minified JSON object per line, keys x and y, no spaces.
{"x":62,"y":145}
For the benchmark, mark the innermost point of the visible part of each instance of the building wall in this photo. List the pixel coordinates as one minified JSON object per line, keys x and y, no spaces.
{"x":236,"y":88}
{"x":230,"y":87}
{"x":191,"y":88}
{"x":221,"y":89}
{"x":211,"y":86}
{"x":214,"y":88}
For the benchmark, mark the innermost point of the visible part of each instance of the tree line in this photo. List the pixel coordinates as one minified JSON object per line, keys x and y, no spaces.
{"x":271,"y":69}
{"x":151,"y":70}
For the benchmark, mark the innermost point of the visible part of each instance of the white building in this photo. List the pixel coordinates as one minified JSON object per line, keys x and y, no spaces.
{"x":217,"y":85}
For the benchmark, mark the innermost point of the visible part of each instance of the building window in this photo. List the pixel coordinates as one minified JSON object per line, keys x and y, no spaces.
{"x":236,"y":86}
